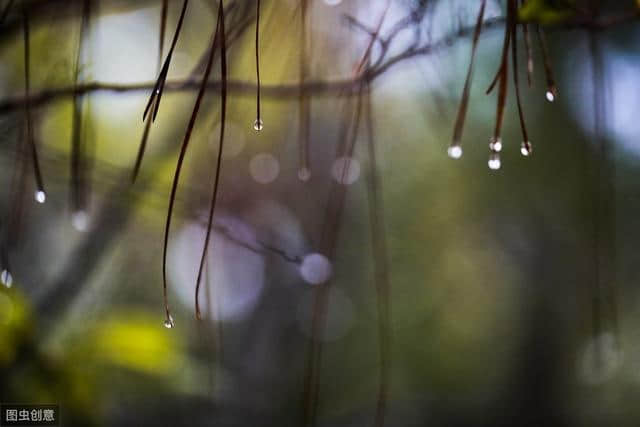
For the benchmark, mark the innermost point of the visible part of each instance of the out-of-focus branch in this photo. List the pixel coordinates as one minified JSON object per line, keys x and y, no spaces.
{"x":320,"y":87}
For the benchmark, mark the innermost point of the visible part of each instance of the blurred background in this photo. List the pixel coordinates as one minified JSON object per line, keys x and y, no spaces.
{"x":512,"y":293}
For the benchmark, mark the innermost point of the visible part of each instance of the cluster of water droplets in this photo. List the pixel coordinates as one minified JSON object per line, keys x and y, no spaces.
{"x":495,"y":147}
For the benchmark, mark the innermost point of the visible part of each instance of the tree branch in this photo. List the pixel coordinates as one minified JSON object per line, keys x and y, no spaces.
{"x":347,"y":86}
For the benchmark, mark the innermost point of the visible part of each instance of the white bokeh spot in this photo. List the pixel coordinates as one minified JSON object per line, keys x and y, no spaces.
{"x":264,"y":168}
{"x":316,"y":269}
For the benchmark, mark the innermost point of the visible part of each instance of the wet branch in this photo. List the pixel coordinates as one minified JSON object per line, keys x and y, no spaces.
{"x":348,"y":86}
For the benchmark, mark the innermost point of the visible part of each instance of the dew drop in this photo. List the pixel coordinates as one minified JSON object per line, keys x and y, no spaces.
{"x":315,"y":268}
{"x":550,"y":96}
{"x":258,"y":125}
{"x":455,"y":151}
{"x":495,"y":145}
{"x":332,"y":2}
{"x":304,"y":174}
{"x":40,"y":196}
{"x":525,"y":149}
{"x":494,"y":161}
{"x":169,"y":323}
{"x":6,"y":278}
{"x":80,"y":220}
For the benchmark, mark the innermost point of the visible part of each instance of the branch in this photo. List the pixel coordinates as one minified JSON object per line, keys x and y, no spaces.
{"x":347,"y":86}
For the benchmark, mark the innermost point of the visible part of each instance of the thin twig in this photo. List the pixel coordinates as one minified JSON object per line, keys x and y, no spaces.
{"x":176,"y":177}
{"x":216,"y":182}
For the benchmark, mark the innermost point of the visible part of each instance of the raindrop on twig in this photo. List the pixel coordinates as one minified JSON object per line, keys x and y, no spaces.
{"x":455,"y":151}
{"x":169,"y":323}
{"x":40,"y":196}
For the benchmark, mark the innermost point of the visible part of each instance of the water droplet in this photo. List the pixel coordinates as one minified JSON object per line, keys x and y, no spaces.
{"x":258,"y":125}
{"x":6,"y":278}
{"x":169,"y":323}
{"x":40,"y":196}
{"x":315,"y":268}
{"x":495,"y":145}
{"x":304,"y":174}
{"x":332,"y":2}
{"x":525,"y":149}
{"x":80,"y":220}
{"x":346,"y":170}
{"x":550,"y":96}
{"x":494,"y":161}
{"x":455,"y":151}
{"x":264,"y":168}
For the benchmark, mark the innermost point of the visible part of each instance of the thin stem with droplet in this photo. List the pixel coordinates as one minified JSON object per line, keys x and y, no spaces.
{"x":526,"y":144}
{"x":176,"y":177}
{"x":552,"y":90}
{"x":464,"y":102}
{"x":258,"y":116}
{"x":77,"y":180}
{"x":27,"y":89}
{"x":503,"y":75}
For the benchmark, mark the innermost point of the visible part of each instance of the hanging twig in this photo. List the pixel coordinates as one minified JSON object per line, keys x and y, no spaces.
{"x":455,"y":149}
{"x":147,"y":126}
{"x":258,"y":124}
{"x":529,"y":51}
{"x":40,"y":194}
{"x":525,"y":148}
{"x":502,"y":77}
{"x":77,"y":178}
{"x":552,"y":91}
{"x":156,"y":95}
{"x":169,"y":323}
{"x":216,"y":182}
{"x":304,"y":168}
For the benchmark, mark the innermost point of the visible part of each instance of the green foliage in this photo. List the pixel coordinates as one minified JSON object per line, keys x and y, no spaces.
{"x":546,"y":12}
